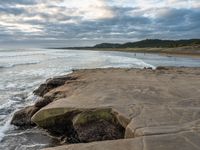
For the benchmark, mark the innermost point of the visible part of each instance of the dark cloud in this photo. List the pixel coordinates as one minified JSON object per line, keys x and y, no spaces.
{"x":13,"y":2}
{"x":183,"y":22}
{"x":11,"y":10}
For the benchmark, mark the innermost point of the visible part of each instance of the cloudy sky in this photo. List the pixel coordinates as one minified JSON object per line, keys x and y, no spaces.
{"x":87,"y":22}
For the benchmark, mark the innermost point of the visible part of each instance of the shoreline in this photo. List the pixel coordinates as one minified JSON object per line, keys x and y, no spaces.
{"x":159,"y":51}
{"x":93,"y":102}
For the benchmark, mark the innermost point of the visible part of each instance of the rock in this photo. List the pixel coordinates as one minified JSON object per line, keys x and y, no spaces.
{"x":82,"y":125}
{"x":97,"y":125}
{"x":148,"y":68}
{"x":41,"y":90}
{"x":51,"y":84}
{"x":22,"y":118}
{"x":154,"y":142}
{"x":156,"y":110}
{"x":43,"y":102}
{"x":162,"y":68}
{"x":50,"y":97}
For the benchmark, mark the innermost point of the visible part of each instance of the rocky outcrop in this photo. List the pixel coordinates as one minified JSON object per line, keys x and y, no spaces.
{"x":81,"y":125}
{"x":162,"y":68}
{"x":179,"y":141}
{"x":97,"y":125}
{"x":41,"y":102}
{"x":22,"y":117}
{"x":52,"y":83}
{"x":135,"y":109}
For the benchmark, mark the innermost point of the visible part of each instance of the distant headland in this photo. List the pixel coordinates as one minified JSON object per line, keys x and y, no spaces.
{"x":180,"y":47}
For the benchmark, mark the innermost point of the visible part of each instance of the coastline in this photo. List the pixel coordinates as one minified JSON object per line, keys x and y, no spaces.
{"x":160,"y":51}
{"x":179,"y":51}
{"x":120,"y":99}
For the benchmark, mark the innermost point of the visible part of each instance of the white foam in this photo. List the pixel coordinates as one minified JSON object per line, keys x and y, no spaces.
{"x":5,"y":128}
{"x":14,"y":53}
{"x":7,"y":104}
{"x":11,"y":85}
{"x":25,"y":147}
{"x":19,"y":64}
{"x":6,"y":122}
{"x":124,"y":62}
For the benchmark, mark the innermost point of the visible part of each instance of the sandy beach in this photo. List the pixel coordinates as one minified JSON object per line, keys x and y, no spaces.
{"x":187,"y":51}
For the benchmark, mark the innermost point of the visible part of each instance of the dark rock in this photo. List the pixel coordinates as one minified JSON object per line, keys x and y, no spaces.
{"x":41,"y":90}
{"x":98,"y":131}
{"x":43,"y":102}
{"x":148,"y":68}
{"x":22,"y":118}
{"x":51,"y":84}
{"x":97,"y":125}
{"x":77,"y":126}
{"x":162,"y":68}
{"x":48,"y":98}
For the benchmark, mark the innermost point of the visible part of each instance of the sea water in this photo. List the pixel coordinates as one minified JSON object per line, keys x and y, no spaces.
{"x":23,"y":70}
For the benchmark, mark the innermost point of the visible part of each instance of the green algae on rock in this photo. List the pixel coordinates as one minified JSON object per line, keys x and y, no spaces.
{"x":93,"y":115}
{"x":97,"y":125}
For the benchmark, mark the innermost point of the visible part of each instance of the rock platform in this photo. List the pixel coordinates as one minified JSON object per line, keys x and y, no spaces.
{"x":123,"y":109}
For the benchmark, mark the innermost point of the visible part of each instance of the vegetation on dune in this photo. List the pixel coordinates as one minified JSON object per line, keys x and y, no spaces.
{"x":180,"y":47}
{"x":154,"y":43}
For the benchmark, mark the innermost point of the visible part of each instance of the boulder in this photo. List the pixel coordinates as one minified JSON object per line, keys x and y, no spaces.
{"x":162,"y":68}
{"x":22,"y":118}
{"x":51,"y":84}
{"x":41,"y":102}
{"x":97,"y":125}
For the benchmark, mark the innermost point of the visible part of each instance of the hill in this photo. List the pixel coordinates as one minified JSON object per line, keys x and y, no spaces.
{"x":151,"y":43}
{"x":170,"y":47}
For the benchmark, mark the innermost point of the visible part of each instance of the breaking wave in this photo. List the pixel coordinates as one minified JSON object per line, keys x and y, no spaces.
{"x":18,"y":64}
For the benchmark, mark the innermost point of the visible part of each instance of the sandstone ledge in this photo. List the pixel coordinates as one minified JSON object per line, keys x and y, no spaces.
{"x":151,"y":109}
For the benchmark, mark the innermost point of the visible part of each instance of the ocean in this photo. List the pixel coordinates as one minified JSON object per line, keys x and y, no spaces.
{"x":23,"y":70}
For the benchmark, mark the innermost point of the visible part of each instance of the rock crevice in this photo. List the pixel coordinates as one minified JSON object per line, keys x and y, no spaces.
{"x":81,"y":125}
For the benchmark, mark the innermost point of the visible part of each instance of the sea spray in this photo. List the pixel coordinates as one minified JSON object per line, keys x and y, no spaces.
{"x":5,"y":127}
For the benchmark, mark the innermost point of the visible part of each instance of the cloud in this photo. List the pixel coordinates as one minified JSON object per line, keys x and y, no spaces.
{"x":97,"y":20}
{"x":13,"y":2}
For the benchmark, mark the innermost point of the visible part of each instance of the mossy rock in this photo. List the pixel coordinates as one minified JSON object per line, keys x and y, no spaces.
{"x":94,"y":115}
{"x":97,"y":125}
{"x":49,"y":117}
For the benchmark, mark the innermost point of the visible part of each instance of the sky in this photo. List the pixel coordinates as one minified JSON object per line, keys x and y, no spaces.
{"x":53,"y":23}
